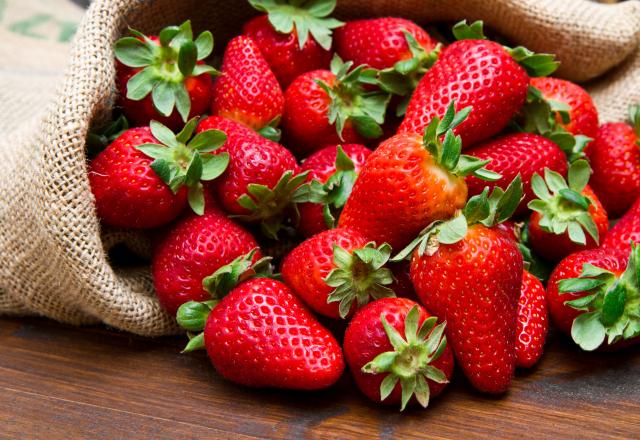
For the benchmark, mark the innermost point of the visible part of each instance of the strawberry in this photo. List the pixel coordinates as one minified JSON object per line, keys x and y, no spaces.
{"x":532,"y":322}
{"x":402,"y":285}
{"x":626,"y":230}
{"x":615,"y":158}
{"x":594,"y":295}
{"x":462,"y":74}
{"x":518,"y":153}
{"x":261,"y":335}
{"x":564,"y":212}
{"x":332,"y":172}
{"x":294,"y":37}
{"x":325,"y":107}
{"x":247,"y":91}
{"x":411,"y":181}
{"x":164,"y":77}
{"x":337,"y":271}
{"x":194,"y":249}
{"x":134,"y":191}
{"x":396,"y":352}
{"x":261,"y":177}
{"x":470,"y":274}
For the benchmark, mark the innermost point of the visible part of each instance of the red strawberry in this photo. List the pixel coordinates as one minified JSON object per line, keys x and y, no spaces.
{"x":247,"y":91}
{"x":337,"y":271}
{"x":325,"y":107}
{"x":594,"y":295}
{"x":261,"y":177}
{"x":194,"y":249}
{"x":411,"y":181}
{"x":615,"y":158}
{"x":334,"y":170}
{"x":134,"y":191}
{"x":626,"y":230}
{"x":470,"y":275}
{"x":261,"y":335}
{"x":164,"y":77}
{"x":517,"y":153}
{"x":402,"y":285}
{"x":396,"y":353}
{"x":532,"y":322}
{"x":580,"y":114}
{"x":564,"y":212}
{"x":478,"y":73}
{"x":294,"y":37}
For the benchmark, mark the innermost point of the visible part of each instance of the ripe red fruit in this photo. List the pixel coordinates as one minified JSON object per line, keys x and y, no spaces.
{"x":518,"y":153}
{"x":582,"y":112}
{"x":247,"y":91}
{"x":625,"y":231}
{"x":615,"y":157}
{"x":128,"y":193}
{"x":194,"y":249}
{"x":564,"y":212}
{"x":337,"y":271}
{"x":532,"y":322}
{"x":164,"y":77}
{"x":293,"y":37}
{"x":334,"y":168}
{"x":594,"y":295}
{"x":260,"y":179}
{"x":396,"y":353}
{"x":409,"y":182}
{"x":261,"y":335}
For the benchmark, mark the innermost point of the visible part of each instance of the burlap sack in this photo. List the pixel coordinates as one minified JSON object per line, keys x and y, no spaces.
{"x":52,"y":250}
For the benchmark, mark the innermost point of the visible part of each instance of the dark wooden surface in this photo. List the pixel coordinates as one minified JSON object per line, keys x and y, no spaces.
{"x":62,"y":382}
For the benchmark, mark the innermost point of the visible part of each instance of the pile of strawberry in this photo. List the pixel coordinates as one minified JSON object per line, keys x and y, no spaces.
{"x":367,"y":206}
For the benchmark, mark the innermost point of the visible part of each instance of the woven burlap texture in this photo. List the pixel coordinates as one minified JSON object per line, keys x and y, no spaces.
{"x":53,"y":259}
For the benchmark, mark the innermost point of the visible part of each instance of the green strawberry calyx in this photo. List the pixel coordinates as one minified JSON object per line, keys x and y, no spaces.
{"x":165,"y":65}
{"x":562,"y":206}
{"x":304,"y":17}
{"x":271,"y":207}
{"x":535,"y":265}
{"x":101,"y":136}
{"x":182,"y":160}
{"x":192,"y":315}
{"x":611,"y":307}
{"x":487,"y":210}
{"x":359,"y":276}
{"x":333,"y":193}
{"x":352,"y":102}
{"x":545,"y":117}
{"x":403,"y":77}
{"x":410,"y":361}
{"x":634,"y":117}
{"x":536,"y":64}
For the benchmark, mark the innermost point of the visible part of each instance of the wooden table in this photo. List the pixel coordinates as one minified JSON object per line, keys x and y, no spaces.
{"x":63,"y":382}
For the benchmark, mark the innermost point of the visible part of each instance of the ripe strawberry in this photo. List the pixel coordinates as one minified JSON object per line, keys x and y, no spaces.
{"x":411,"y":181}
{"x":332,"y":172}
{"x":470,"y":274}
{"x":594,"y":295}
{"x":396,"y":353}
{"x":325,"y":107}
{"x":615,"y":158}
{"x":294,"y":37}
{"x":247,"y":91}
{"x":625,"y":231}
{"x":462,"y":74}
{"x":261,"y":177}
{"x":164,"y":77}
{"x":194,"y":249}
{"x":564,"y":212}
{"x":337,"y":271}
{"x":518,"y":153}
{"x":532,"y":322}
{"x":402,"y":285}
{"x":134,"y":191}
{"x":261,"y":335}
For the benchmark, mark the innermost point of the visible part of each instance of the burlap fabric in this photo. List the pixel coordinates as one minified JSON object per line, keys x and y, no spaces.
{"x":53,"y":259}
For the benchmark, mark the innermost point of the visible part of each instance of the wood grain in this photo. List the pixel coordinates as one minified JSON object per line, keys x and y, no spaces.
{"x":61,"y":382}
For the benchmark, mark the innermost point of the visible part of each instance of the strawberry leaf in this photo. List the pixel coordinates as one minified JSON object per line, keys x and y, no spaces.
{"x":463,"y":31}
